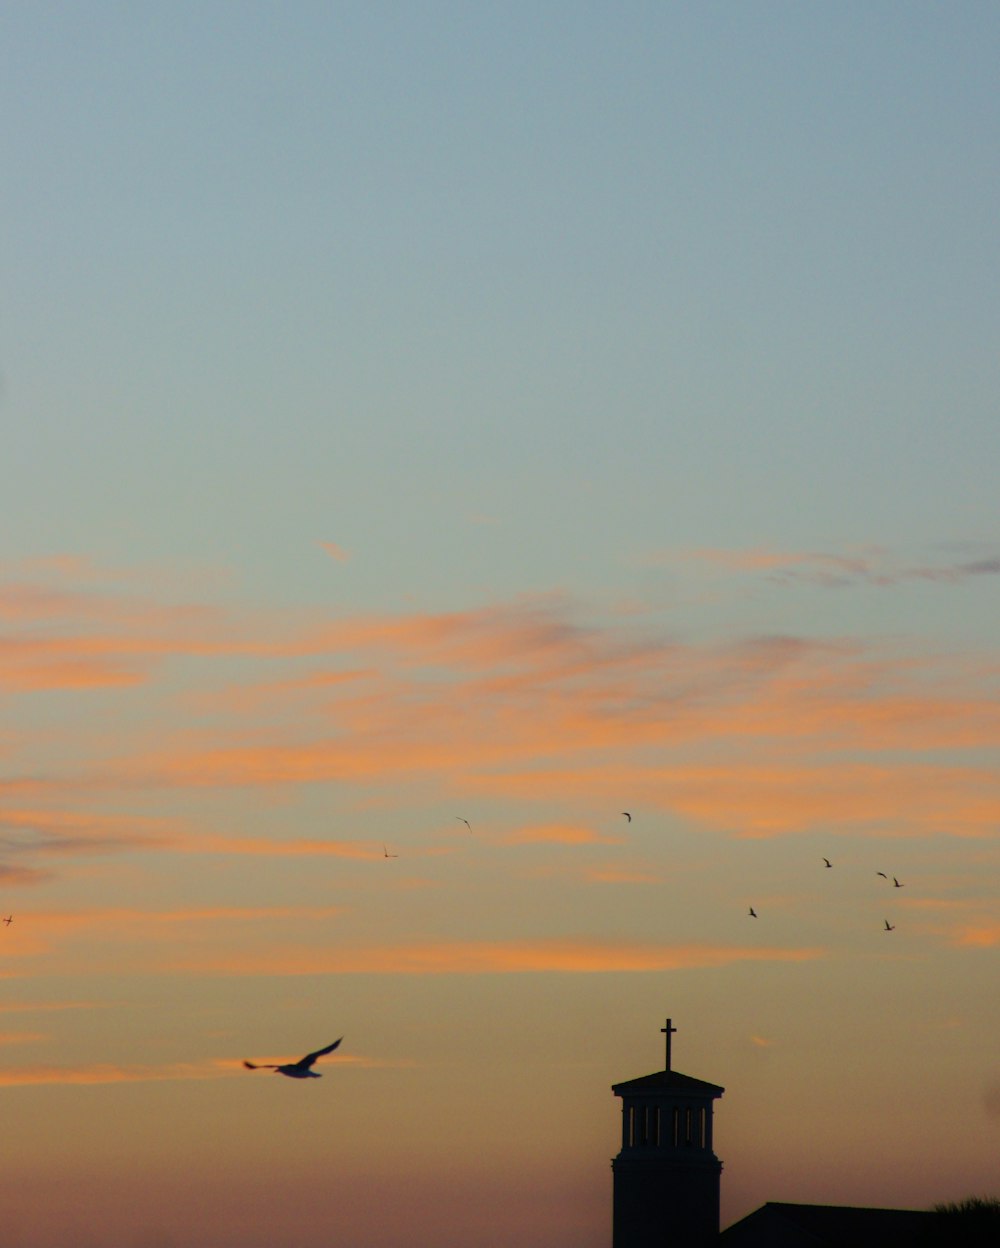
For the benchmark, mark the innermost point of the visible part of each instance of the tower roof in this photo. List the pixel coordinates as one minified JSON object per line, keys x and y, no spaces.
{"x":667,"y":1081}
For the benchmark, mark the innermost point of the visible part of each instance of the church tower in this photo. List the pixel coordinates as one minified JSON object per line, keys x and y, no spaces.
{"x":666,"y":1177}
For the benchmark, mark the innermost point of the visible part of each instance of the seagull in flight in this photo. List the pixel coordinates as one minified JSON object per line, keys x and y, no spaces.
{"x":8,"y":920}
{"x":296,"y":1070}
{"x":627,"y":815}
{"x":828,"y":862}
{"x":465,"y":821}
{"x":753,"y":913}
{"x":386,"y":854}
{"x":896,"y":883}
{"x":889,"y":927}
{"x":882,"y":874}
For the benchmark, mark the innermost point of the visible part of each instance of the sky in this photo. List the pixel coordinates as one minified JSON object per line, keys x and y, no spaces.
{"x":429,"y":432}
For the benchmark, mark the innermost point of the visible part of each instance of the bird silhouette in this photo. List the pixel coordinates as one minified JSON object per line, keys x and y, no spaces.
{"x":828,"y":862}
{"x":889,"y":927}
{"x":465,"y":821}
{"x":8,"y":920}
{"x":882,"y":874}
{"x":753,"y":913}
{"x":627,"y":815}
{"x":896,"y":883}
{"x":386,"y":854}
{"x":295,"y":1070}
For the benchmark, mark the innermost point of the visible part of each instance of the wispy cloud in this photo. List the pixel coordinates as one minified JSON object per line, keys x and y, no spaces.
{"x":559,"y":834}
{"x":29,"y":1076}
{"x":984,"y":935}
{"x":33,"y":1007}
{"x":110,"y":1072}
{"x":868,"y":566}
{"x":85,"y":642}
{"x":17,"y":875}
{"x":492,"y":957}
{"x":296,"y":847}
{"x":758,"y":736}
{"x":111,"y":922}
{"x":781,"y":799}
{"x":609,"y":874}
{"x":335,"y":551}
{"x":39,"y":830}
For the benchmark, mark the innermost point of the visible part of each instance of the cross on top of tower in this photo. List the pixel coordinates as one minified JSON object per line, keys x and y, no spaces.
{"x":668,"y":1031}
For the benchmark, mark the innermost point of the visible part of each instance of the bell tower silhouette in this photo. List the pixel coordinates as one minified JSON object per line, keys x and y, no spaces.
{"x":666,"y":1177}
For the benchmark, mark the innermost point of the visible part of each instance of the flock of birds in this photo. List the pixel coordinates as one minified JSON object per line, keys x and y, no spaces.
{"x":303,"y":1068}
{"x":889,"y":927}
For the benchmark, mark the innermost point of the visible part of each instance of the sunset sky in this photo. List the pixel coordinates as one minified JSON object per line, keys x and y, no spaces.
{"x":517,"y":414}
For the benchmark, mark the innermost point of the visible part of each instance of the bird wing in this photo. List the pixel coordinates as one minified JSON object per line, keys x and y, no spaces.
{"x":260,"y":1065}
{"x":311,"y":1057}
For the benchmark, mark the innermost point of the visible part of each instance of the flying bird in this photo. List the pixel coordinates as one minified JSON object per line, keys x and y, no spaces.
{"x":465,"y":821}
{"x":889,"y":927}
{"x":386,"y":854}
{"x":296,"y":1070}
{"x":828,"y":862}
{"x":882,"y":874}
{"x":8,"y":920}
{"x":627,"y":815}
{"x":753,"y":913}
{"x":896,"y":883}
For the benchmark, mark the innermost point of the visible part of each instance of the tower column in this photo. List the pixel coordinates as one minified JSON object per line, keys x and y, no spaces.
{"x":666,"y":1177}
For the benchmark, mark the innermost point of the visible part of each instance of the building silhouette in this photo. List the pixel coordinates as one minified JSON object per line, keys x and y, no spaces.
{"x":666,"y":1177}
{"x":667,"y":1182}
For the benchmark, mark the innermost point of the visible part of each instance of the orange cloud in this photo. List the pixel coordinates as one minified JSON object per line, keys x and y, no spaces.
{"x":559,"y":834}
{"x":979,"y":936}
{"x":594,"y":705}
{"x":765,"y":736}
{"x":781,"y":799}
{"x":109,"y":1072}
{"x":28,"y":1076}
{"x":111,"y":921}
{"x":296,"y":848}
{"x":497,"y":957}
{"x":335,"y":551}
{"x":619,"y":875}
